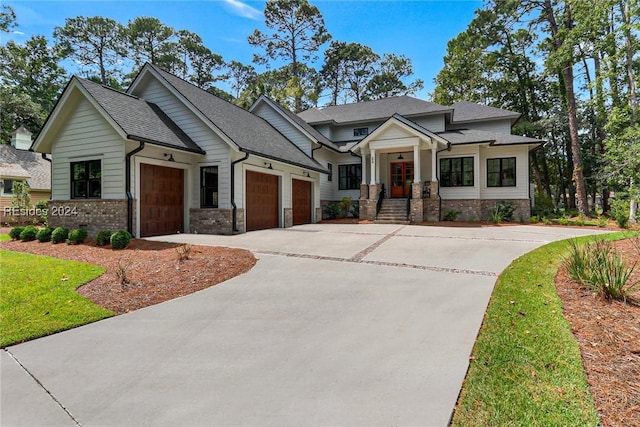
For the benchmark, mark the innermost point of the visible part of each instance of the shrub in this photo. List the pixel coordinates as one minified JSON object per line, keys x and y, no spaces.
{"x":355,"y":209}
{"x":503,"y":210}
{"x":451,"y":215}
{"x":77,"y":236}
{"x":59,"y":235}
{"x":581,"y":221}
{"x":103,"y":237}
{"x":15,"y":232}
{"x":563,"y":220}
{"x":121,"y":272}
{"x":29,"y":233}
{"x":44,"y":234}
{"x":345,"y":206}
{"x":602,"y":222}
{"x":332,"y":210}
{"x":543,"y":205}
{"x":534,"y":219}
{"x":183,"y":252}
{"x":42,"y":210}
{"x":120,"y":239}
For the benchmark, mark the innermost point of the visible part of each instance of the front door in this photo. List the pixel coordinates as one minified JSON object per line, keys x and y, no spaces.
{"x":401,"y":179}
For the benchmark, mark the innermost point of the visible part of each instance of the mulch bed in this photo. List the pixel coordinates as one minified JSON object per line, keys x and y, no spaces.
{"x":609,"y":336}
{"x":153,"y":270}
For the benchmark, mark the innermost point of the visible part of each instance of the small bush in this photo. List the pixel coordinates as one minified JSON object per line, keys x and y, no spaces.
{"x":120,"y":239}
{"x":121,"y":272}
{"x":534,"y":219}
{"x":77,"y":236}
{"x":602,"y":222}
{"x":355,"y":209}
{"x":15,"y":232}
{"x":42,"y":209}
{"x":620,"y":212}
{"x":29,"y":233}
{"x":451,"y":215}
{"x":503,"y":210}
{"x":183,"y":251}
{"x":59,"y":235}
{"x":44,"y":234}
{"x":563,"y":220}
{"x":103,"y":237}
{"x":333,"y":210}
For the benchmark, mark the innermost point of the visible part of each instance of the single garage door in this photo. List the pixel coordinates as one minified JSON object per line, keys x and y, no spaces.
{"x":301,"y":202}
{"x":262,"y":201}
{"x":161,"y":200}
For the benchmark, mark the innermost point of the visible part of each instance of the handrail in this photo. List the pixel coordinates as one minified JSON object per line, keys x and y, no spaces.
{"x":409,"y":205}
{"x":381,"y":195}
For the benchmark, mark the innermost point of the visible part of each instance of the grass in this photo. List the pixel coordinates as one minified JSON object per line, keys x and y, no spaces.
{"x":38,"y":296}
{"x":526,"y":367}
{"x":4,"y":237}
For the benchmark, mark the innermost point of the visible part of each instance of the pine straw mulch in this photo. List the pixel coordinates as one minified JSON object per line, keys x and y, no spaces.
{"x":153,"y":271}
{"x":609,"y":336}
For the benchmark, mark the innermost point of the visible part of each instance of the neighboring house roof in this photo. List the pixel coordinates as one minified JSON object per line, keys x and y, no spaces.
{"x":252,"y":134}
{"x":303,"y":126}
{"x":473,"y":136}
{"x":464,"y":111}
{"x":140,"y":120}
{"x":372,"y":110}
{"x":23,"y":164}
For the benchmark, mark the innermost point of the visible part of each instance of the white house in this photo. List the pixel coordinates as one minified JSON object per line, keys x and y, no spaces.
{"x":168,"y":157}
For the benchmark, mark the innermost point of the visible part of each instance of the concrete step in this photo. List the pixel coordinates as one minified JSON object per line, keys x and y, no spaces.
{"x":389,"y":221}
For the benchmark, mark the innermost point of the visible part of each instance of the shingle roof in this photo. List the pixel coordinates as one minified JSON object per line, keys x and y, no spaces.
{"x":249,"y":132}
{"x":372,"y":110}
{"x":139,"y":119}
{"x":464,"y":111}
{"x":473,"y":136}
{"x":25,"y":164}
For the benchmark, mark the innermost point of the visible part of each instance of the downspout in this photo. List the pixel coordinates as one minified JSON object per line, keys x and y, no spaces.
{"x":448,"y":148}
{"x":234,"y":222}
{"x":127,"y":169}
{"x":44,"y":156}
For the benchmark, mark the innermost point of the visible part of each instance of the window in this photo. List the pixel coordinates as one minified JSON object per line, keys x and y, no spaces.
{"x":456,"y":172}
{"x":501,"y":172}
{"x":361,"y":131}
{"x":330,"y":168}
{"x":86,"y":178}
{"x":349,"y":176}
{"x":7,"y":187}
{"x":209,"y":187}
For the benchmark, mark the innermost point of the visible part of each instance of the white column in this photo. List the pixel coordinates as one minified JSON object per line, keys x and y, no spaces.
{"x":363,"y":161}
{"x":434,"y":150}
{"x":416,"y":163}
{"x":374,"y":167}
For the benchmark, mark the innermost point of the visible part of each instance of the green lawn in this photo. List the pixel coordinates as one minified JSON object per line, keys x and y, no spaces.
{"x":38,"y":296}
{"x":4,"y":237}
{"x":526,"y":367}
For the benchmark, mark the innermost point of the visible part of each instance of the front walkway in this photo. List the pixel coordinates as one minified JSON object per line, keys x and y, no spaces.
{"x":336,"y":325}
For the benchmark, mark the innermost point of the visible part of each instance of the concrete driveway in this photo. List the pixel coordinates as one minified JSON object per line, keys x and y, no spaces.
{"x":336,"y":325}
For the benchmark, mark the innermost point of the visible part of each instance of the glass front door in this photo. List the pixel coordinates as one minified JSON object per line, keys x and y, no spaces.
{"x":401,"y":179}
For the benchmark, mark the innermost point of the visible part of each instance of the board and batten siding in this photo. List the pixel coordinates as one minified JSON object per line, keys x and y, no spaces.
{"x":521,"y":190}
{"x":87,"y":135}
{"x":285,"y":127}
{"x":217,"y":150}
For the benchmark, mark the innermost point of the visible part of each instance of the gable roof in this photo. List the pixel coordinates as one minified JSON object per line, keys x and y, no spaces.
{"x":23,"y":164}
{"x":465,"y":111}
{"x":372,"y":110}
{"x":473,"y":136}
{"x":252,"y":134}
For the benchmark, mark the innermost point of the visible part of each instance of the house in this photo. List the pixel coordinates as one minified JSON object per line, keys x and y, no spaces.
{"x":166,"y":156}
{"x":17,"y":163}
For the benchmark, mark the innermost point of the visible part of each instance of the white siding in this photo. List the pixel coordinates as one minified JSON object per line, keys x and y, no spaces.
{"x":284,"y":127}
{"x":502,"y":126}
{"x":462,"y":192}
{"x":345,"y":132}
{"x":87,"y":135}
{"x":325,"y":130}
{"x":521,"y":190}
{"x":327,"y":188}
{"x":218,"y":151}
{"x":432,"y":123}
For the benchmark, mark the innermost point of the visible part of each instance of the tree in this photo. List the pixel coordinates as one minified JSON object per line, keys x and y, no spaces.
{"x":240,"y":76}
{"x":198,"y":63}
{"x":388,"y":81}
{"x":151,"y":41}
{"x":7,"y":18}
{"x":97,"y":43}
{"x":347,"y":69}
{"x":298,"y":33}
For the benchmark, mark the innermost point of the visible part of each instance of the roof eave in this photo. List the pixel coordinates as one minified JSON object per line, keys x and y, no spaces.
{"x":277,"y":159}
{"x":164,"y":144}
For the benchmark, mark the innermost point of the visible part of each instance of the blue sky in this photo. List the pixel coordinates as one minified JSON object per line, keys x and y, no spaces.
{"x":418,"y":29}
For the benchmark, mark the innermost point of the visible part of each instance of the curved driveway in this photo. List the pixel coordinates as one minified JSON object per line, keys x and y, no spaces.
{"x":336,"y":325}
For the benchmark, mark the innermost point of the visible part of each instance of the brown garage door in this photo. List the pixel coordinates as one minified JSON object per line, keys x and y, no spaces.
{"x":301,"y":202}
{"x":161,"y":200}
{"x":262,"y":201}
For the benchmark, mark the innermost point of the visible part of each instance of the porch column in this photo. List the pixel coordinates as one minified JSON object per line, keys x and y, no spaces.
{"x":434,"y":175}
{"x":416,"y":164}
{"x":374,"y":167}
{"x":363,"y":162}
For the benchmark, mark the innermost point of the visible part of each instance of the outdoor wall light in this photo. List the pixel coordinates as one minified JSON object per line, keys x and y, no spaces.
{"x":268,"y":165}
{"x":169,"y":157}
{"x":306,"y":174}
{"x":400,"y":157}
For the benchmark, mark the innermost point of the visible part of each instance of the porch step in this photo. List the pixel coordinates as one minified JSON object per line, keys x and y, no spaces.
{"x":392,"y":211}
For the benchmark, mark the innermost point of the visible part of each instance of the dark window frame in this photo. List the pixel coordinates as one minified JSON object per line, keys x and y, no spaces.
{"x":4,"y":187}
{"x":361,"y":131}
{"x":330,"y":176}
{"x":501,"y":173}
{"x":349,"y":176}
{"x":454,"y":178}
{"x":204,"y":188}
{"x":88,"y":182}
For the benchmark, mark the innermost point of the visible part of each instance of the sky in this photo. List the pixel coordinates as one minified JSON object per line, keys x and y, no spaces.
{"x":418,"y":29}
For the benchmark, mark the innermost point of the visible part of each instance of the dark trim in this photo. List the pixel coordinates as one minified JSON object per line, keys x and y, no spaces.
{"x":340,"y":168}
{"x":515,"y":169}
{"x":234,"y":222}
{"x":164,"y":144}
{"x":72,"y":181}
{"x":201,"y":186}
{"x":462,"y":158}
{"x":447,"y":148}
{"x":44,"y":156}
{"x":127,"y":179}
{"x":278,"y":159}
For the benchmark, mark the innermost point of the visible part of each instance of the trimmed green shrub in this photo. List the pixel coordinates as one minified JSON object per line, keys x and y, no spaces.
{"x":77,"y":236}
{"x":29,"y":233}
{"x":120,"y":239}
{"x":59,"y":235}
{"x":44,"y":234}
{"x":333,"y":210}
{"x":15,"y":232}
{"x":42,"y":210}
{"x":103,"y":237}
{"x":504,"y":211}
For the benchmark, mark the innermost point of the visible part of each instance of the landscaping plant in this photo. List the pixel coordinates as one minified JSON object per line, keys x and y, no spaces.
{"x":120,"y":239}
{"x":183,"y":252}
{"x":451,"y":215}
{"x":103,"y":237}
{"x":44,"y":234}
{"x":77,"y":236}
{"x":59,"y":235}
{"x":15,"y":232}
{"x":29,"y":233}
{"x":504,"y":211}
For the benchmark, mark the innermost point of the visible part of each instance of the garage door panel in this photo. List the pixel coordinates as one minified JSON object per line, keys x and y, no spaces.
{"x":262,"y":201}
{"x":161,"y":200}
{"x":301,"y":202}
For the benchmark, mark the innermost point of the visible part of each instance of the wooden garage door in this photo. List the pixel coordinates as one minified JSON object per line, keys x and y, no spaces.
{"x":262,"y":201}
{"x":161,"y":200}
{"x":301,"y":202}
